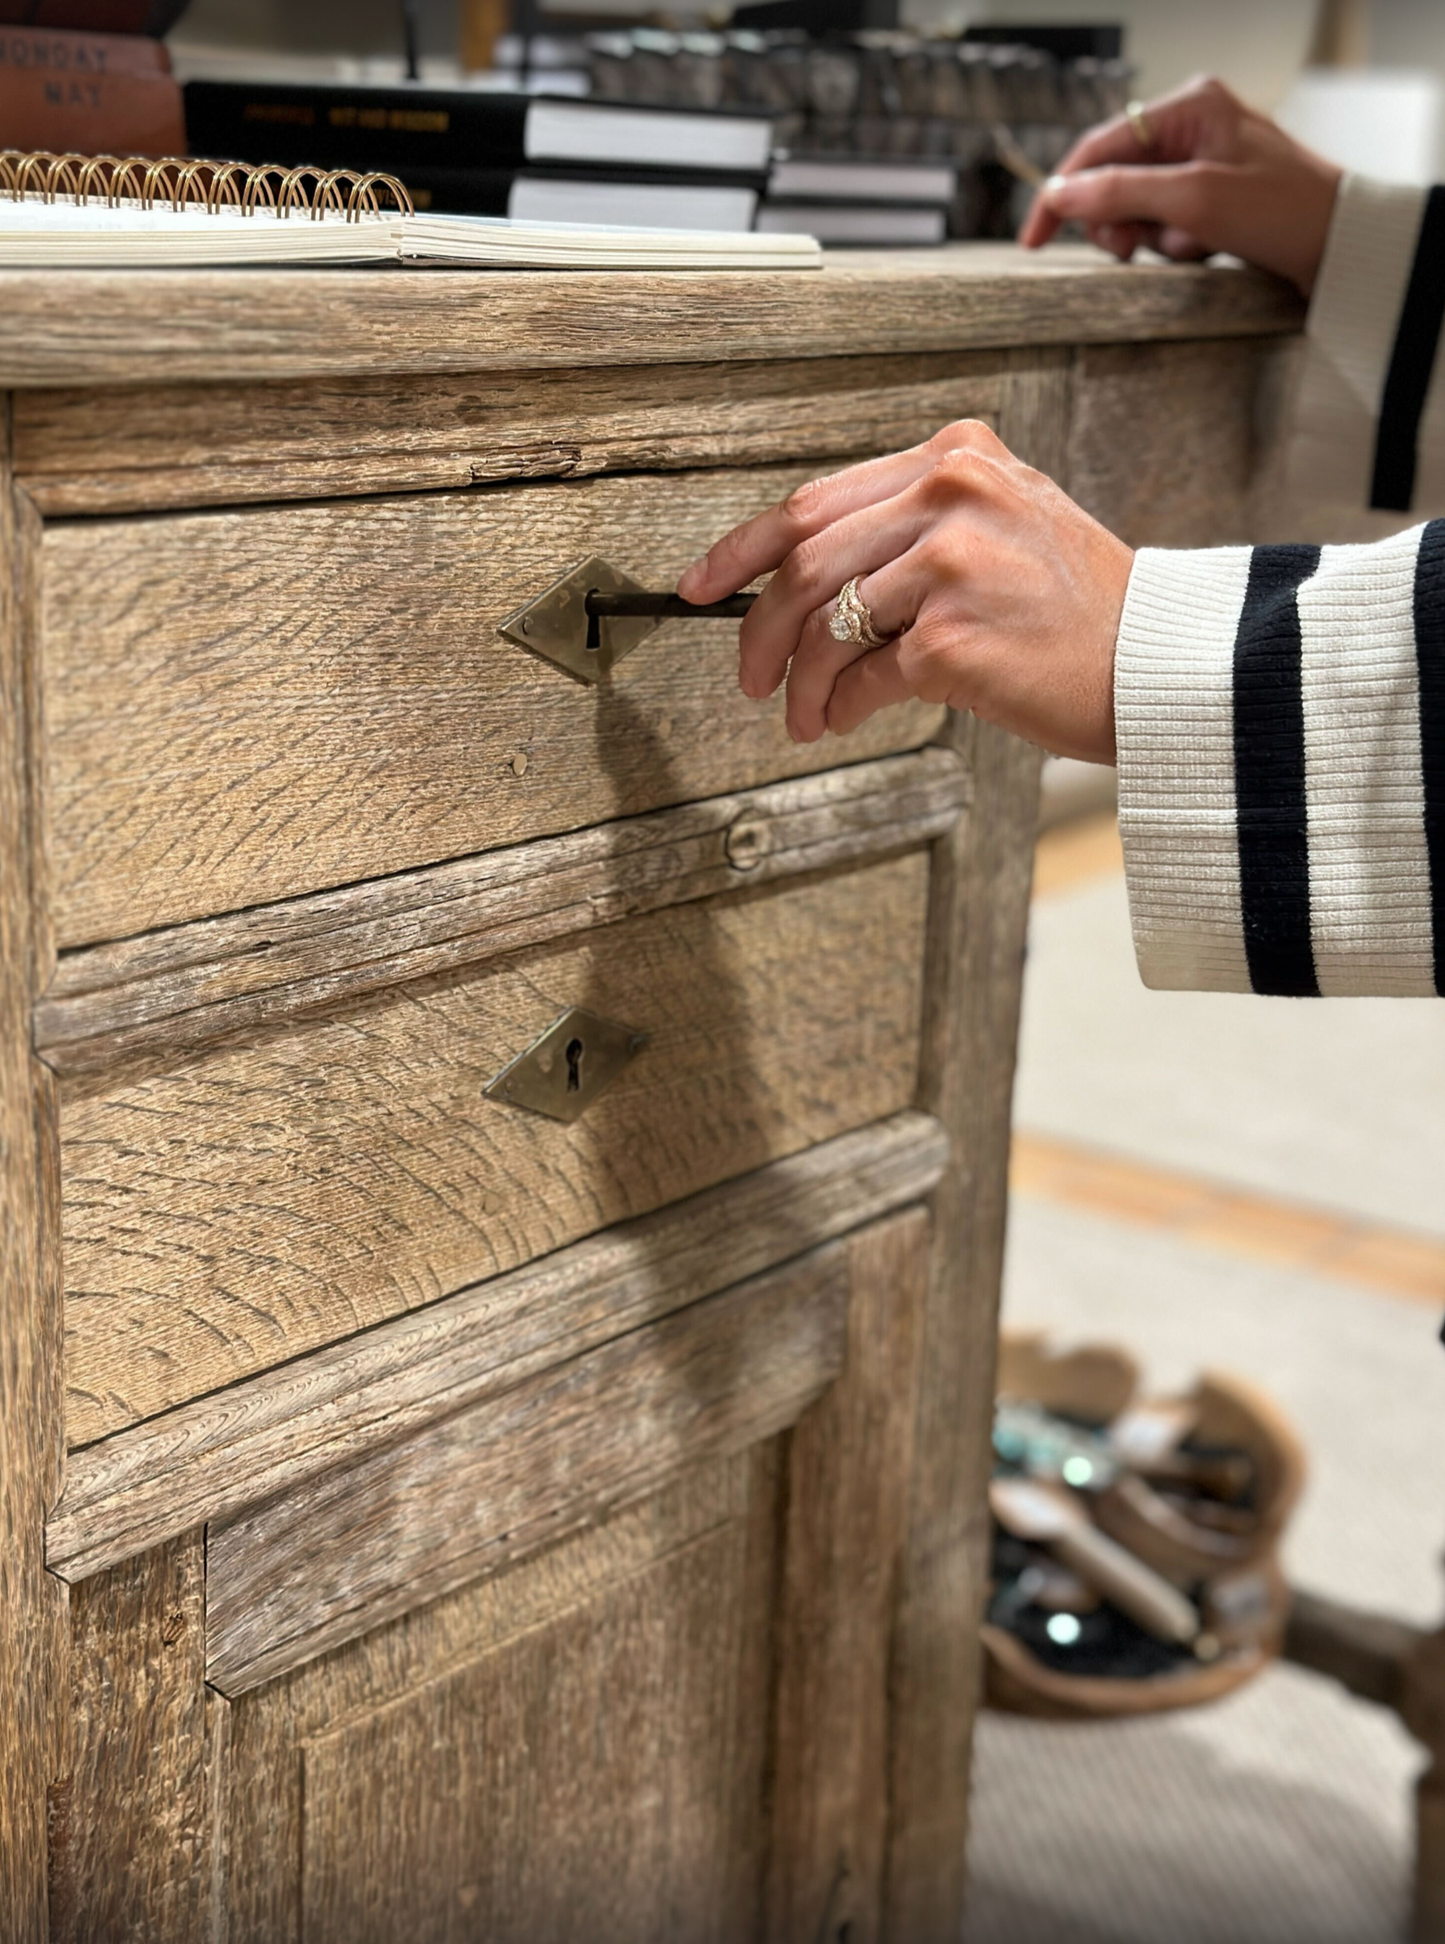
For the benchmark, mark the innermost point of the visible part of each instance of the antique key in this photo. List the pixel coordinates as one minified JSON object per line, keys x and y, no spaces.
{"x":595,"y":614}
{"x":656,"y":607}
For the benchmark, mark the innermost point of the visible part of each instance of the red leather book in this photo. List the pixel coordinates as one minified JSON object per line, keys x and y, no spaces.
{"x":94,"y":94}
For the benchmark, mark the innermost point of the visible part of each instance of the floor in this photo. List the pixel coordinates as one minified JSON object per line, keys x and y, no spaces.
{"x":1255,"y":1185}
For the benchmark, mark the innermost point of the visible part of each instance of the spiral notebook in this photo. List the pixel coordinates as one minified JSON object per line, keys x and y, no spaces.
{"x":103,"y":212}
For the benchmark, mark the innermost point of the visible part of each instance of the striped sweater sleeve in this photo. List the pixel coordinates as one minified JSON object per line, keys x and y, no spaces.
{"x":1281,"y":710}
{"x":1280,"y":714}
{"x":1369,"y":419}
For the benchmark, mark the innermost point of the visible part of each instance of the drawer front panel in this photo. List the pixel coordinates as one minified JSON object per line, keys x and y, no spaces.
{"x":247,"y":706}
{"x":229,"y":1215}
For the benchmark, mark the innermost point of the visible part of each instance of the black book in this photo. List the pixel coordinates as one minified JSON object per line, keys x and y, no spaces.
{"x":819,"y":17}
{"x":340,"y":126}
{"x":1063,"y":43}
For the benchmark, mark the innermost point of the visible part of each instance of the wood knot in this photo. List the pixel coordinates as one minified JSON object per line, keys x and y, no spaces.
{"x":172,"y":1627}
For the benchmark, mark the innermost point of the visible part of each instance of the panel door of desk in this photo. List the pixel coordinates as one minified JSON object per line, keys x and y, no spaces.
{"x":664,"y":1717}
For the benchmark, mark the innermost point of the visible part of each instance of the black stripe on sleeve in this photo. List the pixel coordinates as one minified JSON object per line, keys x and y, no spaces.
{"x":1430,"y":655}
{"x":1269,"y":775}
{"x":1417,"y":338}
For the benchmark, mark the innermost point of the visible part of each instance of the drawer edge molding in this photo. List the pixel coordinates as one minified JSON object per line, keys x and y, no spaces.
{"x":179,"y":446}
{"x":190,"y":985}
{"x":213,"y":1458}
{"x":483,"y":1489}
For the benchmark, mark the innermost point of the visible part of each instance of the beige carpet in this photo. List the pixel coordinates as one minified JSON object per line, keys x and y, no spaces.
{"x":1282,"y":1815}
{"x":1277,"y":1817}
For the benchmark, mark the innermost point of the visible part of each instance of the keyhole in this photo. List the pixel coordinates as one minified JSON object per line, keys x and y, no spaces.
{"x":594,"y":628}
{"x":575,"y":1051}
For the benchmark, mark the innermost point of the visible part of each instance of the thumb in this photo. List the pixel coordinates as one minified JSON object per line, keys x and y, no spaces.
{"x":1174,"y":194}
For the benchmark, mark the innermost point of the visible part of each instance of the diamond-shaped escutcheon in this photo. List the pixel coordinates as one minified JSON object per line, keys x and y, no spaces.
{"x":556,"y":624}
{"x":564,"y":1070}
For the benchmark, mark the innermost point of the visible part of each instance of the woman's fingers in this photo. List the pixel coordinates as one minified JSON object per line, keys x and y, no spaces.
{"x":1112,"y":141}
{"x":1180,"y":245}
{"x":814,"y":669}
{"x":891,"y":597}
{"x":1119,"y":239}
{"x":811,"y":576}
{"x":1183,"y":126}
{"x":1176,"y":195}
{"x":761,"y":544}
{"x":875,"y":681}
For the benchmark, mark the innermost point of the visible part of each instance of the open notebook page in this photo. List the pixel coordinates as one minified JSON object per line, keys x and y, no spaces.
{"x":59,"y":235}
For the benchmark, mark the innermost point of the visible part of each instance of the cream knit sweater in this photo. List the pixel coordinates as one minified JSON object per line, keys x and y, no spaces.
{"x":1281,"y":710}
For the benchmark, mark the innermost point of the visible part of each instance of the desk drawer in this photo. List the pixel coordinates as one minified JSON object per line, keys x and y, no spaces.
{"x":234,"y":1211}
{"x":249,"y":705}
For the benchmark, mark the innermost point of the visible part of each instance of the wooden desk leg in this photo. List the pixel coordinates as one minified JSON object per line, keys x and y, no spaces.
{"x":32,"y":1603}
{"x":981,"y":877}
{"x":1423,"y":1712}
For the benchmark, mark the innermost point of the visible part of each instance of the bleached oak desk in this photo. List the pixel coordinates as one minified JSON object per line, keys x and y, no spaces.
{"x":422,"y":1517}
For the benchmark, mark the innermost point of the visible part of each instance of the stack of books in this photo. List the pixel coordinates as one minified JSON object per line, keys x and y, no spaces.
{"x":1000,"y":114}
{"x":851,"y":200}
{"x":481,"y":151}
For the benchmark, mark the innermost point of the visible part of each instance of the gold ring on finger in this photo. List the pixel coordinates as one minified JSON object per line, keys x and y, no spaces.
{"x":1139,"y":122}
{"x":851,"y":621}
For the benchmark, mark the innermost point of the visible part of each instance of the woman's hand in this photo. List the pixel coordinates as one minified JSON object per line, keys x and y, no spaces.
{"x":1215,"y":175}
{"x":999,"y":594}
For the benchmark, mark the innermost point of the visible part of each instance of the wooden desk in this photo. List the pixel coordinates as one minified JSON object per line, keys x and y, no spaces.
{"x":421,"y":1518}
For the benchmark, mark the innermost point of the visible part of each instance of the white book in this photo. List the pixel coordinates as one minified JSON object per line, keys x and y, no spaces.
{"x":849,"y":179}
{"x":35,"y":234}
{"x":666,"y":205}
{"x":646,"y":137}
{"x":856,"y":223}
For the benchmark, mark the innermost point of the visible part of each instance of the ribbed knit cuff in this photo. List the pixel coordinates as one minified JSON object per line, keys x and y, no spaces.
{"x":1174,"y":720}
{"x":1353,"y":317}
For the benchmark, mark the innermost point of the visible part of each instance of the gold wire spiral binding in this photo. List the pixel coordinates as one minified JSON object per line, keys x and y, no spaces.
{"x":192,"y":182}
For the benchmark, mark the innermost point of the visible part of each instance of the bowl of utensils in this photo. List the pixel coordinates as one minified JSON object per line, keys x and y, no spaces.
{"x":1135,"y":1545}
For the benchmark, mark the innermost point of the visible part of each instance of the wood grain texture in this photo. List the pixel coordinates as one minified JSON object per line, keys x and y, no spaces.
{"x":423,"y":1818}
{"x":189,"y":985}
{"x":480,"y":1490}
{"x":1162,"y":444}
{"x":156,"y":446}
{"x":215,"y":1457}
{"x":388,"y":1668}
{"x":976,"y":943}
{"x":244,"y":707}
{"x":84,"y":328}
{"x":137,"y":1857}
{"x":846,"y":1496}
{"x":263,"y":1200}
{"x":31,"y":1644}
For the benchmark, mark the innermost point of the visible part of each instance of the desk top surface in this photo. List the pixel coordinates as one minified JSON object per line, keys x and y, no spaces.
{"x":81,"y":328}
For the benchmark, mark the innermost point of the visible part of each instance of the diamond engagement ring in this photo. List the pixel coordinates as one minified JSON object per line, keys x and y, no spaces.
{"x":1139,"y":122}
{"x":851,"y":621}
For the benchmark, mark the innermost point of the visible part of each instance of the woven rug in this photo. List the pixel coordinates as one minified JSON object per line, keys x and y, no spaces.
{"x":1283,"y":1815}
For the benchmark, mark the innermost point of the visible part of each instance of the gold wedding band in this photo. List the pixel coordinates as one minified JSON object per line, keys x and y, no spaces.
{"x":850,"y":620}
{"x":1139,"y":122}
